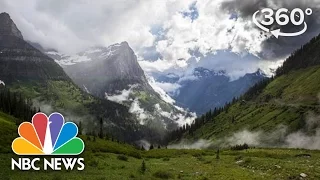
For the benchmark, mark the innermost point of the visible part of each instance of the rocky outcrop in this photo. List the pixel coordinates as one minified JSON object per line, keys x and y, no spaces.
{"x":19,"y":60}
{"x":8,"y":27}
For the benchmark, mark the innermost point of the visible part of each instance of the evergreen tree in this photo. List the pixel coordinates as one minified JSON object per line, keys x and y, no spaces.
{"x":143,"y":167}
{"x":218,"y":154}
{"x":16,"y":105}
{"x":151,"y":147}
{"x":101,"y":128}
{"x":94,"y":137}
{"x":80,"y":128}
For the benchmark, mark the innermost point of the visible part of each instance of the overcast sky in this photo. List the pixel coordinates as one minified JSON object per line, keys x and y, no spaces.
{"x":166,"y":35}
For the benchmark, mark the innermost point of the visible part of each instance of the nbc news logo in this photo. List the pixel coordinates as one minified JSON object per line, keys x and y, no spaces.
{"x":48,"y":136}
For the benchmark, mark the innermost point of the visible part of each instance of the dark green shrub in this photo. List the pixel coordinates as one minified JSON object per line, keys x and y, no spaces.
{"x":166,"y":159}
{"x":122,"y":157}
{"x":240,"y":147}
{"x":238,"y":158}
{"x":163,"y":174}
{"x":132,"y":176}
{"x":135,"y":154}
{"x":247,"y":160}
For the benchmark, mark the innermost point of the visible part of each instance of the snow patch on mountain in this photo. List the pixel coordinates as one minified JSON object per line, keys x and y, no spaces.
{"x":70,"y":60}
{"x":91,"y":54}
{"x":107,"y":53}
{"x":93,"y":50}
{"x":54,"y":53}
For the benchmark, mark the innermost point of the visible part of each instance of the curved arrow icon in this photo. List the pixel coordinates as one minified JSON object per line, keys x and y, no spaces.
{"x":277,"y":32}
{"x":257,"y":23}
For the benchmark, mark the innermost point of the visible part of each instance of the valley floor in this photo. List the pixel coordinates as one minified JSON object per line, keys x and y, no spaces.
{"x":185,"y":164}
{"x":106,"y":159}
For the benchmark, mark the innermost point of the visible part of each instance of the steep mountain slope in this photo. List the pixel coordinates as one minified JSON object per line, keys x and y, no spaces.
{"x":114,"y":73}
{"x":287,"y":104}
{"x":210,"y":89}
{"x":25,"y":69}
{"x":19,"y":60}
{"x":111,"y":69}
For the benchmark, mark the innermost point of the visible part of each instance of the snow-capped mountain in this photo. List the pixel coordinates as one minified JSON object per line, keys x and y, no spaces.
{"x":114,"y":73}
{"x":27,"y":70}
{"x":94,"y":53}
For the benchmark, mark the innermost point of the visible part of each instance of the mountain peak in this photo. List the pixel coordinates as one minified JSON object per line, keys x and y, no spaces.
{"x":8,"y":27}
{"x":124,"y":43}
{"x":260,"y":72}
{"x":5,"y":14}
{"x":204,"y":72}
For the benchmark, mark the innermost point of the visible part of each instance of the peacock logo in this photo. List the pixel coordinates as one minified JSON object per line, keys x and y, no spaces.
{"x":48,"y":136}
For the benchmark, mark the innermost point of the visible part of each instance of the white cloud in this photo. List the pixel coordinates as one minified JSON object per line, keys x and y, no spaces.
{"x":71,"y":26}
{"x":245,"y":136}
{"x":141,"y":113}
{"x":122,"y":96}
{"x":1,"y":82}
{"x":213,"y":30}
{"x":163,"y":113}
{"x":170,"y":88}
{"x":184,"y":144}
{"x":156,"y":66}
{"x":164,"y":96}
{"x":180,"y":118}
{"x":177,"y":40}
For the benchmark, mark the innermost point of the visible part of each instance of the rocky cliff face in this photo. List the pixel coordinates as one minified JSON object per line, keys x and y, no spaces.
{"x":26,"y":70}
{"x":105,"y":70}
{"x":114,"y":73}
{"x":8,"y":27}
{"x":19,"y":60}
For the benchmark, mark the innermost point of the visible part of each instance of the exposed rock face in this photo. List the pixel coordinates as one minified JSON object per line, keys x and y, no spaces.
{"x":8,"y":27}
{"x":114,"y":73}
{"x":21,"y":61}
{"x":108,"y":70}
{"x":25,"y":69}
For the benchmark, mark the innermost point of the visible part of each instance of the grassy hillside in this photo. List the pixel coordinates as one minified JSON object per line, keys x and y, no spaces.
{"x":105,"y":159}
{"x":65,"y":97}
{"x":286,"y":100}
{"x":8,"y":131}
